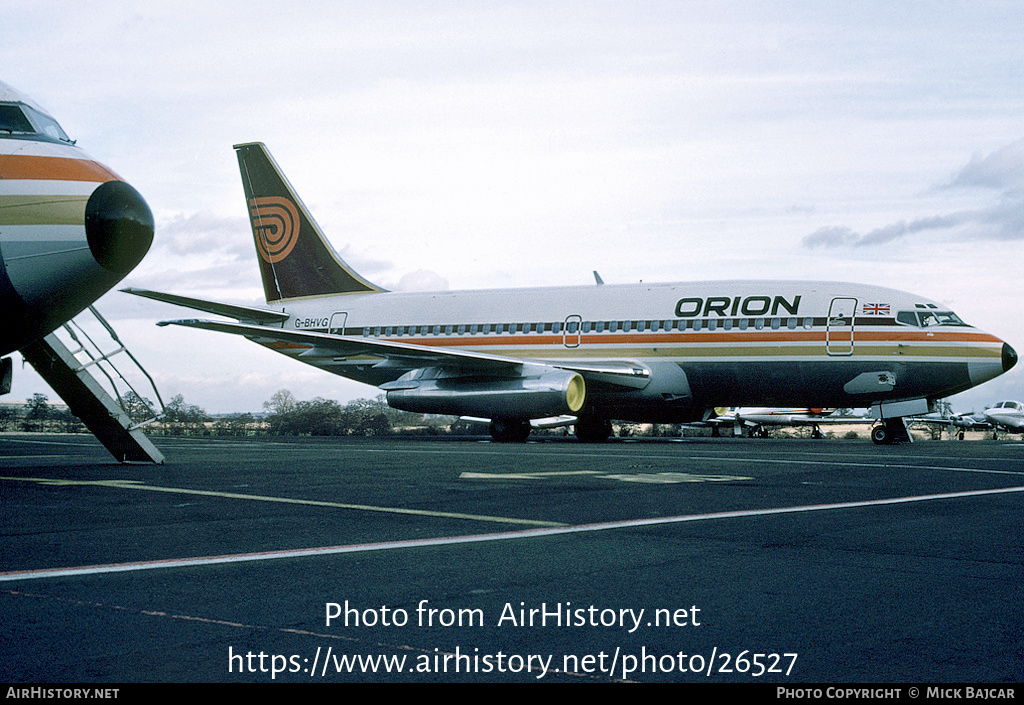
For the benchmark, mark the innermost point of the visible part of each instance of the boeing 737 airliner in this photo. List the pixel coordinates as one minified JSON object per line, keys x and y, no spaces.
{"x":661,"y":353}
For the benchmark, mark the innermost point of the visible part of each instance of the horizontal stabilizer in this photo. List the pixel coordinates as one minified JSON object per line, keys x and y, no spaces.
{"x":239,"y":313}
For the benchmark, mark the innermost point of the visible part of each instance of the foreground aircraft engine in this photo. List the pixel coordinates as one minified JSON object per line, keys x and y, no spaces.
{"x":548,"y":392}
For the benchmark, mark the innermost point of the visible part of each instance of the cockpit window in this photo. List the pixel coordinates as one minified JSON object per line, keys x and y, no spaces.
{"x":19,"y":120}
{"x":929,"y":319}
{"x":14,"y":121}
{"x":48,"y":126}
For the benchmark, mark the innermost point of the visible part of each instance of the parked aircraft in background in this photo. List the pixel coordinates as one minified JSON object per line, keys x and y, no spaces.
{"x":70,"y":229}
{"x":1003,"y":416}
{"x":957,"y":424}
{"x":1007,"y":416}
{"x":756,"y":420}
{"x":660,"y":353}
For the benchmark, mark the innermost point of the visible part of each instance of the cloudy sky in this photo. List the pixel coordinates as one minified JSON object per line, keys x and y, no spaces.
{"x":490,"y":144}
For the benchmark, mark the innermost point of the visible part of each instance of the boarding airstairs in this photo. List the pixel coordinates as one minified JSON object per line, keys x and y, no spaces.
{"x":70,"y":360}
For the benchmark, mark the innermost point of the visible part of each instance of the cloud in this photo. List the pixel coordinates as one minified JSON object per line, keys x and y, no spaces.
{"x":839,"y":236}
{"x":203,"y":233}
{"x":1001,"y":171}
{"x":422,"y":280}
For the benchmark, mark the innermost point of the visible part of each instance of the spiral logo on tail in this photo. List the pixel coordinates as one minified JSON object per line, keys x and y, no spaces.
{"x":275,"y":223}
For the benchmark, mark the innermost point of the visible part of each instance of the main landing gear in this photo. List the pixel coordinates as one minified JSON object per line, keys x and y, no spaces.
{"x":593,"y":430}
{"x":507,"y":431}
{"x":588,"y":430}
{"x":891,"y":432}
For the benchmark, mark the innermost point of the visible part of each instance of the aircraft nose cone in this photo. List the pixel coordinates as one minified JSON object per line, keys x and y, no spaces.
{"x":1009,"y":357}
{"x":118,"y":226}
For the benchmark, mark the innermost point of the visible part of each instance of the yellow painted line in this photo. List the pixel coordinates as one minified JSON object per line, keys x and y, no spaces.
{"x":658,"y":478}
{"x":522,"y":475}
{"x":136,"y":485}
{"x":674,"y":478}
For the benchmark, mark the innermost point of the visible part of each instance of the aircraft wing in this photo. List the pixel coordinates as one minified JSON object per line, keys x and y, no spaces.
{"x":966,"y":422}
{"x":240,"y":313}
{"x":408,"y":356}
{"x":796,"y":420}
{"x":769,"y":417}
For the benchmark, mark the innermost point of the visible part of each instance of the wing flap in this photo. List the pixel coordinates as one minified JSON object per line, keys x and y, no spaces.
{"x":407,"y":356}
{"x":348,"y":346}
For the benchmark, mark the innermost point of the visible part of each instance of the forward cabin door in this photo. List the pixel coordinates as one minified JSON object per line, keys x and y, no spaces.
{"x":839,"y":329}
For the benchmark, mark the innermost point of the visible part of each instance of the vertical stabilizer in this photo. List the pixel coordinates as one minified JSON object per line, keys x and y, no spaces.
{"x":295,"y":258}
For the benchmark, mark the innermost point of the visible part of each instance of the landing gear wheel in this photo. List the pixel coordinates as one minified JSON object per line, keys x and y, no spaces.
{"x":505,"y":431}
{"x":890,"y":432}
{"x":592,"y":430}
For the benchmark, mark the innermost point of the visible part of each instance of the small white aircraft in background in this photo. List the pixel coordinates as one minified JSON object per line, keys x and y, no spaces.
{"x":1006,"y":415}
{"x":1002,"y":416}
{"x":756,"y":420}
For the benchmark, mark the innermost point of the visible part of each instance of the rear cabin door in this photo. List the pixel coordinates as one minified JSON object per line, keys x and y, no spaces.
{"x":571,"y":331}
{"x":338,"y":320}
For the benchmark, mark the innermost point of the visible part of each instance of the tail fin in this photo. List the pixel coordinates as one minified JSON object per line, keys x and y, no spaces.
{"x":295,"y":258}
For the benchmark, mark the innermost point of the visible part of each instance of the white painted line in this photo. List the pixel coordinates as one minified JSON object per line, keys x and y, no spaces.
{"x":475,"y":538}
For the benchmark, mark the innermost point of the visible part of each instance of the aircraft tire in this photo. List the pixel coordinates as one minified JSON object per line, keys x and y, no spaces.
{"x":508,"y":431}
{"x":880,"y":435}
{"x":593,"y":430}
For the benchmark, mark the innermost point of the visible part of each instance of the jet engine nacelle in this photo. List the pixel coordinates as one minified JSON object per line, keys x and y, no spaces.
{"x":551,"y":392}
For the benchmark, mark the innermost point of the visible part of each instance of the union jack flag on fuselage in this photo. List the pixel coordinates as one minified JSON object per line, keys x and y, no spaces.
{"x":876,"y":309}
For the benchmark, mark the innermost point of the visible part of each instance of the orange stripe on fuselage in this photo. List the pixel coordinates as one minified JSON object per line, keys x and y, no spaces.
{"x":20,"y":166}
{"x":692,"y":337}
{"x":281,"y":345}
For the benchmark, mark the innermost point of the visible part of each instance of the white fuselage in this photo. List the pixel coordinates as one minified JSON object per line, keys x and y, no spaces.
{"x":1007,"y":414}
{"x":737,"y":343}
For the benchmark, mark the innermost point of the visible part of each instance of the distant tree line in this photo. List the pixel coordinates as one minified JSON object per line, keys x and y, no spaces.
{"x":284,"y":415}
{"x":39,"y":416}
{"x":287,"y":416}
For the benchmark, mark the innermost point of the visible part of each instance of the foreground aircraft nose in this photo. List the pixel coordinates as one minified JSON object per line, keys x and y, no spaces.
{"x":1009,"y":357}
{"x":118,"y":226}
{"x":61,"y":254}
